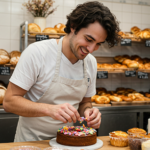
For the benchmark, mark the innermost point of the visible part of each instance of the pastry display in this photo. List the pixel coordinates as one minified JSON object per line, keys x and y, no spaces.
{"x":119,"y":138}
{"x":134,"y":61}
{"x":4,"y":57}
{"x":121,"y":94}
{"x":143,"y":34}
{"x":76,"y":136}
{"x":102,"y":100}
{"x":2,"y":93}
{"x":49,"y":30}
{"x":14,"y":57}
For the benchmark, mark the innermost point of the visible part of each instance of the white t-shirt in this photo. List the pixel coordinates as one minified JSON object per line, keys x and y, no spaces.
{"x":36,"y":67}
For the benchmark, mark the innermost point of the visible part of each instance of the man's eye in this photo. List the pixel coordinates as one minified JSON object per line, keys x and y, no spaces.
{"x":88,"y":40}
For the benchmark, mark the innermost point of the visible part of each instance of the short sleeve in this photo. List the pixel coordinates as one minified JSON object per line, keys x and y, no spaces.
{"x":28,"y":68}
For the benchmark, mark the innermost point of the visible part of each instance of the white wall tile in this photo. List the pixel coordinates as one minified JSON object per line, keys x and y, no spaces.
{"x":118,"y":15}
{"x":117,"y":7}
{"x":29,"y":18}
{"x":69,"y":3}
{"x":14,"y":45}
{"x":145,"y":19}
{"x":5,"y":7}
{"x":19,"y":1}
{"x":135,"y":1}
{"x":17,"y":8}
{"x":16,"y":20}
{"x":49,"y":21}
{"x":126,"y":27}
{"x":108,"y":4}
{"x":58,"y":3}
{"x":58,"y":12}
{"x":4,"y":33}
{"x":137,"y":24}
{"x":67,"y":10}
{"x":146,"y":9}
{"x":127,"y":17}
{"x":5,"y":44}
{"x":56,"y":21}
{"x":145,"y":26}
{"x":137,"y":8}
{"x":5,"y":19}
{"x":127,"y":7}
{"x":136,"y":18}
{"x":15,"y":33}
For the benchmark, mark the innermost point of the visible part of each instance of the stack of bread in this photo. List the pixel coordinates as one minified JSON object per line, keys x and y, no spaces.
{"x":121,"y":94}
{"x":143,"y":34}
{"x":125,"y":35}
{"x":133,"y":138}
{"x":11,"y":58}
{"x":34,"y":28}
{"x":134,"y":61}
{"x":111,"y":66}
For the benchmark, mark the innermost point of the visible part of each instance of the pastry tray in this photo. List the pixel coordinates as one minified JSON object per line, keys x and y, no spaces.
{"x":130,"y":103}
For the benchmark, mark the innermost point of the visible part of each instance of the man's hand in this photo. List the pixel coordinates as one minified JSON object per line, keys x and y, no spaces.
{"x":94,"y":117}
{"x":65,"y":113}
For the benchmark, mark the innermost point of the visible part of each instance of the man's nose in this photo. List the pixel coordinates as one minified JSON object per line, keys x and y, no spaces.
{"x":91,"y":48}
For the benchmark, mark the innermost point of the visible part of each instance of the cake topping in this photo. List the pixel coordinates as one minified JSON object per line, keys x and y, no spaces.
{"x":76,"y":130}
{"x":82,"y":119}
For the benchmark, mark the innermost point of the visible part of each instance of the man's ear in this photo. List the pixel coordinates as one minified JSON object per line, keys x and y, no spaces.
{"x":72,"y":30}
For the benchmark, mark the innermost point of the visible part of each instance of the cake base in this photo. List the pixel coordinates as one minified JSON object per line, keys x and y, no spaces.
{"x":76,"y":140}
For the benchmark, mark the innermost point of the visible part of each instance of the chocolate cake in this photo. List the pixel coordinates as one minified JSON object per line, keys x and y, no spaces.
{"x":76,"y":136}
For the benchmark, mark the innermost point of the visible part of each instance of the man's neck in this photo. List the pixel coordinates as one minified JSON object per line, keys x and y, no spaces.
{"x":66,"y":50}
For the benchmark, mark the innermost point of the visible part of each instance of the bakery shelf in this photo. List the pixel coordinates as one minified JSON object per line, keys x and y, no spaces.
{"x":9,"y":65}
{"x":51,"y":35}
{"x":115,"y":70}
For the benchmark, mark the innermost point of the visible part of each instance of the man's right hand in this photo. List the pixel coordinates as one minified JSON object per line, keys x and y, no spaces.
{"x":65,"y":113}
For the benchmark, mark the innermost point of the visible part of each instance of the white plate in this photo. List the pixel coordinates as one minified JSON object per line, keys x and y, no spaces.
{"x":98,"y":144}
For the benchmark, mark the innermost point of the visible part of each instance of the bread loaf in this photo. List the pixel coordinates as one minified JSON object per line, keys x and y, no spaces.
{"x":14,"y":57}
{"x":49,"y":30}
{"x":60,"y":27}
{"x":4,"y":57}
{"x":2,"y":93}
{"x":135,"y":30}
{"x":32,"y":27}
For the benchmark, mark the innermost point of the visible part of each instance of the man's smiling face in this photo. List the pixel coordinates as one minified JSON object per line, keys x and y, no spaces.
{"x":87,"y":40}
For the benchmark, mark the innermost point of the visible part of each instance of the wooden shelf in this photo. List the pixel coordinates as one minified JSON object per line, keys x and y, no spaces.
{"x":51,"y":35}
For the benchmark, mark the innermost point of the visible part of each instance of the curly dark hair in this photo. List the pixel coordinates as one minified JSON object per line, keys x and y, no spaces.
{"x":89,"y":12}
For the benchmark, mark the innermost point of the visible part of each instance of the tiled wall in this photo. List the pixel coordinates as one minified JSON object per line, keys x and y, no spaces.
{"x":12,"y":14}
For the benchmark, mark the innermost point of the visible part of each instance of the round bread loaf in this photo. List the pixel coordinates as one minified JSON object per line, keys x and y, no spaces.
{"x":60,"y":27}
{"x":49,"y":30}
{"x":32,"y":27}
{"x":4,"y":57}
{"x":14,"y":57}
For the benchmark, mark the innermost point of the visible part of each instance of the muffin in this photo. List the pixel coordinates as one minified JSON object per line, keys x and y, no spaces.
{"x":119,"y":138}
{"x":136,"y":131}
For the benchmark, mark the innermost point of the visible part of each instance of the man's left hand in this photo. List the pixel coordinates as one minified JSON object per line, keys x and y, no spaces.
{"x":93,"y":117}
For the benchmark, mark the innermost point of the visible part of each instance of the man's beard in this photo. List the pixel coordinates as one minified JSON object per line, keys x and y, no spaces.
{"x":74,"y":51}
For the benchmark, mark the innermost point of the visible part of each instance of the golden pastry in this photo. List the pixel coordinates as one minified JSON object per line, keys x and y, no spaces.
{"x":119,"y":138}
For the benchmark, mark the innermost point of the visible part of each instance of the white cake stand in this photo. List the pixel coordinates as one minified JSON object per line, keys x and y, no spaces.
{"x":98,"y":144}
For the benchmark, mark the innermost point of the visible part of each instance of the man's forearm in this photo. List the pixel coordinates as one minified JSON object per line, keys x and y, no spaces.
{"x":24,"y":107}
{"x":83,"y":107}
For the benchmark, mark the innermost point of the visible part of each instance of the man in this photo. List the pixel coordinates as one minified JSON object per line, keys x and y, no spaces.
{"x":54,"y":80}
